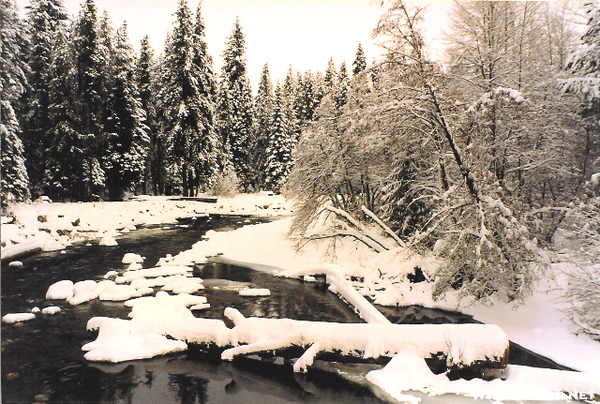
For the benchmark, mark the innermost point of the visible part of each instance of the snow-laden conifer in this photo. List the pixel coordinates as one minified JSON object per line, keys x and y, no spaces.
{"x":236,"y":123}
{"x":281,"y":144}
{"x":187,"y":103}
{"x":45,"y":21}
{"x":127,"y":138}
{"x":263,"y":106}
{"x":15,"y":183}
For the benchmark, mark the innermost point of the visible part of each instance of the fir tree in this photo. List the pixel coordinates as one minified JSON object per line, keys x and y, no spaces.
{"x":360,"y":62}
{"x":281,"y":144}
{"x":330,"y":79}
{"x":187,"y":100}
{"x":127,"y":143}
{"x":64,"y":176}
{"x":14,"y":181}
{"x":46,"y":19}
{"x":237,"y":127}
{"x":289,"y":93}
{"x":263,"y":105}
{"x":341,"y":90}
{"x":90,"y":86}
{"x":146,"y":92}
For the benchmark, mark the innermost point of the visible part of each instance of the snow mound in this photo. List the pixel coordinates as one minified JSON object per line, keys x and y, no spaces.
{"x":131,"y":258}
{"x":51,"y":310}
{"x":108,"y":241}
{"x":15,"y":264}
{"x":60,"y":290}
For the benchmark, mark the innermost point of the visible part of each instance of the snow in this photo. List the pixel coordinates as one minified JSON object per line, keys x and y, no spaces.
{"x":17,"y":317}
{"x":162,"y":323}
{"x":60,"y":290}
{"x":131,"y":258}
{"x":255,"y":292}
{"x":40,"y":225}
{"x":15,"y":264}
{"x":408,"y":372}
{"x":51,"y":310}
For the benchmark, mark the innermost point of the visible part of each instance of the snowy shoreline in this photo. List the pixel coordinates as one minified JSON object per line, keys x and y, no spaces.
{"x":55,"y":226}
{"x":354,"y":272}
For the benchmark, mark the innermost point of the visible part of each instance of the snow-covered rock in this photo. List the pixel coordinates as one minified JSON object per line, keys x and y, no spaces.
{"x":60,"y":290}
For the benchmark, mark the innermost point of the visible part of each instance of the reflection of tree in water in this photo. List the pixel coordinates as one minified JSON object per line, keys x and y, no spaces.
{"x":189,"y":388}
{"x":149,"y":378}
{"x":119,"y":386}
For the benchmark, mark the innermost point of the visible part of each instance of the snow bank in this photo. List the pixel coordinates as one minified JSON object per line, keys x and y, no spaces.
{"x":409,"y":372}
{"x":17,"y":317}
{"x":52,"y":226}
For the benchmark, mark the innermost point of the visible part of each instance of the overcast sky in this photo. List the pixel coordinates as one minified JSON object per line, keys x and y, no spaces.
{"x":303,"y":33}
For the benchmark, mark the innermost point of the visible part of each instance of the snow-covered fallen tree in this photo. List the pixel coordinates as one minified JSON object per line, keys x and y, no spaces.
{"x":462,"y":345}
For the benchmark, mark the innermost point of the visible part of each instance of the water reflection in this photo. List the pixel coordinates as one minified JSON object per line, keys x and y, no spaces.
{"x":44,"y":359}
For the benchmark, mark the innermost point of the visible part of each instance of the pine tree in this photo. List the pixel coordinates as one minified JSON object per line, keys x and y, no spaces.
{"x":237,"y":127}
{"x":263,"y":105}
{"x":14,"y":181}
{"x":360,"y":62}
{"x":46,"y":19}
{"x":187,"y":100}
{"x":281,"y":144}
{"x":127,"y":140}
{"x":289,"y":93}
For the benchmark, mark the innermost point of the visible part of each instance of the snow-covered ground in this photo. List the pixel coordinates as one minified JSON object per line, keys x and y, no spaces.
{"x":54,"y":226}
{"x":353,"y":270}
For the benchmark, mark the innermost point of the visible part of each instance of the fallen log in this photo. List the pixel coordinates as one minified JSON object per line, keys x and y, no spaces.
{"x":460,"y":350}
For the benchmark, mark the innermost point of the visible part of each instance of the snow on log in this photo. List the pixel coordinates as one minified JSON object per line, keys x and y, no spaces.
{"x":461,"y":345}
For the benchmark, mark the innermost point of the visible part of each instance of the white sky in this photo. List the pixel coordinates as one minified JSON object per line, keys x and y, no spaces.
{"x":303,"y":33}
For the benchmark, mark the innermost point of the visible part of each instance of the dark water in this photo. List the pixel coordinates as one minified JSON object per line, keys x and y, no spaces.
{"x":42,"y":359}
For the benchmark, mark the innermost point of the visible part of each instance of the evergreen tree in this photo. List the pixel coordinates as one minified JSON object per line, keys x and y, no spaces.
{"x":289,"y":93}
{"x":330,"y":78}
{"x":146,"y":92}
{"x":237,"y":126}
{"x":187,"y":100}
{"x":360,"y":62}
{"x":305,"y":103}
{"x":46,"y":19}
{"x":263,"y":105}
{"x":64,"y":175}
{"x":90,"y":89}
{"x":281,"y":144}
{"x":341,"y":89}
{"x":127,"y":142}
{"x":14,"y":181}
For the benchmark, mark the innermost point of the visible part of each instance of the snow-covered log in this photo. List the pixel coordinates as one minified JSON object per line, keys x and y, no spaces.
{"x":461,"y":346}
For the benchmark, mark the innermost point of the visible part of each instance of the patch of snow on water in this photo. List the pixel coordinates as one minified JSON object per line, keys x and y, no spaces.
{"x":17,"y":318}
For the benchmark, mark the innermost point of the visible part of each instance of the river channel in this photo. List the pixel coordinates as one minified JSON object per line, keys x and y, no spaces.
{"x":42,"y":360}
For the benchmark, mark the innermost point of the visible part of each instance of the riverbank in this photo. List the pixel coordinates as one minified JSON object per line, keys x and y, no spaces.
{"x":54,"y":226}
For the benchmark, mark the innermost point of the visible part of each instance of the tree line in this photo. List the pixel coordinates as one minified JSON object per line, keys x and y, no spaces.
{"x":85,"y":117}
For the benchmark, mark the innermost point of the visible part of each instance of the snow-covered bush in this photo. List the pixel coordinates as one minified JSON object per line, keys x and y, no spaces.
{"x":224,"y":184}
{"x":583,"y":296}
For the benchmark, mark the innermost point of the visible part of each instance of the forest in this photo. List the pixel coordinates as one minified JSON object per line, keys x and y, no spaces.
{"x":485,"y":159}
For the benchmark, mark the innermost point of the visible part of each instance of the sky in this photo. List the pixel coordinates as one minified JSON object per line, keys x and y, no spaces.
{"x":303,"y":33}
